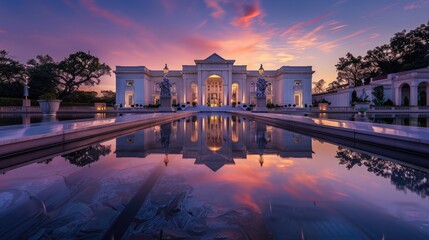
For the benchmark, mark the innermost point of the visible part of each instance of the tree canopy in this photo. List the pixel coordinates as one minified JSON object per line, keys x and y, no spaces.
{"x":78,"y":69}
{"x":405,"y":51}
{"x":47,"y":76}
{"x":42,"y":75}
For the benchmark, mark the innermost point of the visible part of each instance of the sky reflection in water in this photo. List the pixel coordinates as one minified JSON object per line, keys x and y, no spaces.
{"x":214,"y":176}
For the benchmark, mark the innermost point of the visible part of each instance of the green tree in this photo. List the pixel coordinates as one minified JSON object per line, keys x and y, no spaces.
{"x":319,"y":86}
{"x":354,"y":97}
{"x":79,"y":69}
{"x":109,"y":97}
{"x":351,"y":70}
{"x":42,"y":75}
{"x":81,"y":97}
{"x":12,"y":75}
{"x":382,"y":60}
{"x":378,"y":93}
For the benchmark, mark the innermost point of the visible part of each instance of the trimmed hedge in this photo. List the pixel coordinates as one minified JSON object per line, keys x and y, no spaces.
{"x":14,"y":102}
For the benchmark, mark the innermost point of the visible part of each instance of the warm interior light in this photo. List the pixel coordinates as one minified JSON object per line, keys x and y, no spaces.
{"x":261,"y":70}
{"x":165,"y":69}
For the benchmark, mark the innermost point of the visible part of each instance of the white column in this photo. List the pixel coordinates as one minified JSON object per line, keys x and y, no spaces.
{"x":200,"y":86}
{"x":397,"y":97}
{"x":413,"y":94}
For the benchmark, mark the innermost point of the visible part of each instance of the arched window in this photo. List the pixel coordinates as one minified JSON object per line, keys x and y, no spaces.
{"x":194,"y":93}
{"x":235,"y":92}
{"x":297,"y":83}
{"x":269,"y":89}
{"x":173,"y":89}
{"x":156,"y":89}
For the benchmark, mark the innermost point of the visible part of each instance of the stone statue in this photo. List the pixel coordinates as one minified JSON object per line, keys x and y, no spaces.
{"x":26,"y":91}
{"x":165,"y":88}
{"x":261,"y":85}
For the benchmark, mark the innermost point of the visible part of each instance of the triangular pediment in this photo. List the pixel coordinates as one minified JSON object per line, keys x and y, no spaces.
{"x":215,"y":59}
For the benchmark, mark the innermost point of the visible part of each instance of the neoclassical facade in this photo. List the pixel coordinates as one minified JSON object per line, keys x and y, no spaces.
{"x":213,"y":81}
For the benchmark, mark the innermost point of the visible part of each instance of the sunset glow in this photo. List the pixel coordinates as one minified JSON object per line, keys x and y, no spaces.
{"x":152,"y":33}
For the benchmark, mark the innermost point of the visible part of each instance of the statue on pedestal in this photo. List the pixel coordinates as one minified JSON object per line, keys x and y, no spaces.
{"x":26,"y":87}
{"x":165,"y":87}
{"x":261,"y":85}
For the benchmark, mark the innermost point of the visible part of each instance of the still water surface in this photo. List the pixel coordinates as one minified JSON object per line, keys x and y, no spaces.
{"x":214,"y":177}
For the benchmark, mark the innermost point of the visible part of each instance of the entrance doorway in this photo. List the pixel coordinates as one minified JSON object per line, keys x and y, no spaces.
{"x":214,"y":91}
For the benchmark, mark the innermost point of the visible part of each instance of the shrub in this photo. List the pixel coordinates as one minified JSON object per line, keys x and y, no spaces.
{"x":248,"y":109}
{"x":48,"y":96}
{"x":179,"y":108}
{"x":10,"y":101}
{"x":234,"y":104}
{"x":183,"y":105}
{"x":245,"y":106}
{"x":388,"y":103}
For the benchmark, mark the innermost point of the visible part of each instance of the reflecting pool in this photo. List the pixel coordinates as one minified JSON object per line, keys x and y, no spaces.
{"x":214,"y":177}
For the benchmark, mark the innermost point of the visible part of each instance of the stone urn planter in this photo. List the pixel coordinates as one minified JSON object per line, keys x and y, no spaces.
{"x":48,"y":103}
{"x":362,"y":107}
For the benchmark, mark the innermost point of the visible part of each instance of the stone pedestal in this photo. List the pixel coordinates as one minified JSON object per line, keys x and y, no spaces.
{"x":26,"y":103}
{"x":165,"y":104}
{"x":261,"y":104}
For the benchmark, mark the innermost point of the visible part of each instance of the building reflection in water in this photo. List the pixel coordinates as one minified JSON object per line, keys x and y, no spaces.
{"x":214,"y":141}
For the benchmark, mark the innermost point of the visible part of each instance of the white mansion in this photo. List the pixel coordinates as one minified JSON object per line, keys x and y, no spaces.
{"x":213,"y":81}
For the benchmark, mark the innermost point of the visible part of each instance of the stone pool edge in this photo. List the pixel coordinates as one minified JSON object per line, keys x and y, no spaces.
{"x":16,"y":146}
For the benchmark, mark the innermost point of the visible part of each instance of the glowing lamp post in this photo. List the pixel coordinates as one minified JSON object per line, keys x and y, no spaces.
{"x":165,"y":93}
{"x":261,"y":98}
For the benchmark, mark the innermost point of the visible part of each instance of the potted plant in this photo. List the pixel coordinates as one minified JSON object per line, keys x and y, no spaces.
{"x":49,"y":104}
{"x":362,"y":105}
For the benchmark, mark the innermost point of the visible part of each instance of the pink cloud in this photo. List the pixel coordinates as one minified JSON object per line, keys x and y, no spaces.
{"x":297,"y":28}
{"x":374,"y":35}
{"x":328,"y":46}
{"x":416,"y":5}
{"x":89,"y":4}
{"x":380,"y":10}
{"x":249,"y":12}
{"x":215,"y":5}
{"x":2,"y":31}
{"x":339,"y":27}
{"x":201,"y":24}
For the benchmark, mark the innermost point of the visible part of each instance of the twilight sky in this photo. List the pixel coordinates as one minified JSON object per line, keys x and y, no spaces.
{"x":152,"y":33}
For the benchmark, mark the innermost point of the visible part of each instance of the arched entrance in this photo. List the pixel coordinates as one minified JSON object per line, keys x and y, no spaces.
{"x":214,"y":91}
{"x":234,"y":91}
{"x":194,"y":94}
{"x":422,"y":94}
{"x":405,"y":95}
